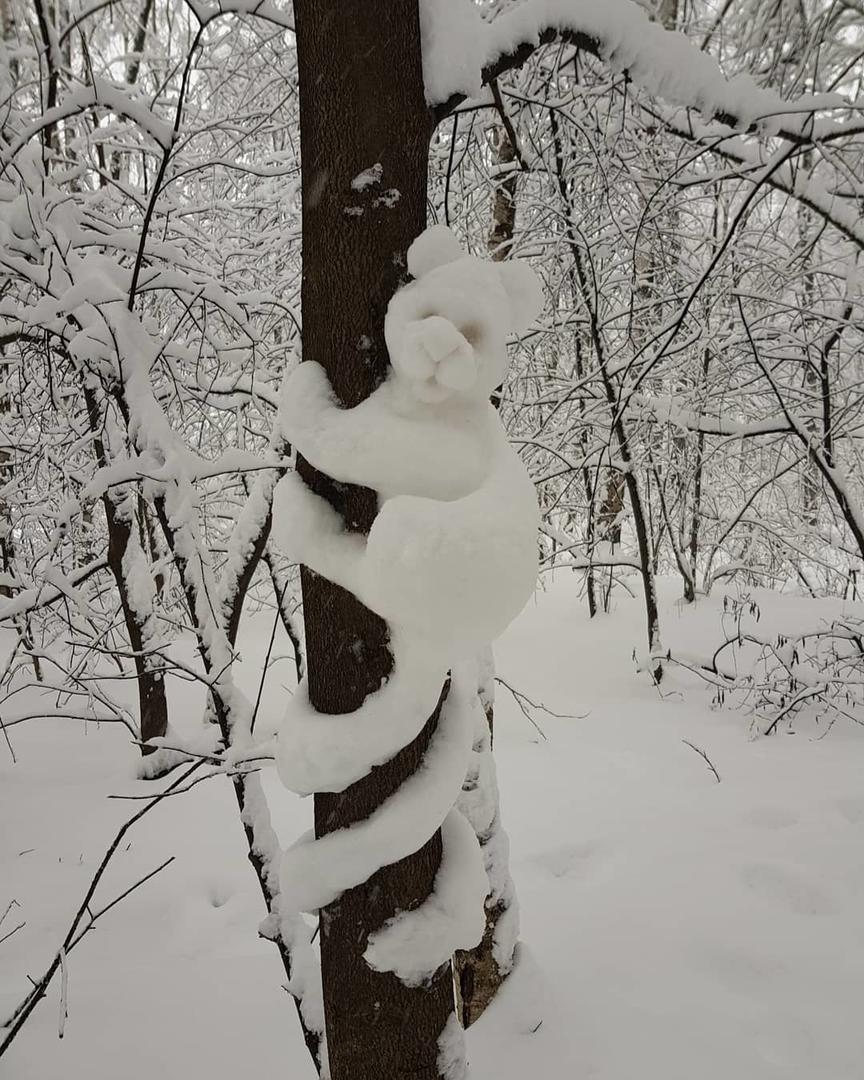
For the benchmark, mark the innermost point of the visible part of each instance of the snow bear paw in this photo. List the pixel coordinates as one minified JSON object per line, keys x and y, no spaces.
{"x":306,"y":393}
{"x":437,"y":359}
{"x":301,"y":519}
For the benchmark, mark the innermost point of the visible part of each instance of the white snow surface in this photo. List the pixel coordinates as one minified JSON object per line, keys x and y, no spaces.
{"x":368,"y":177}
{"x":672,"y":927}
{"x":452,"y":1063}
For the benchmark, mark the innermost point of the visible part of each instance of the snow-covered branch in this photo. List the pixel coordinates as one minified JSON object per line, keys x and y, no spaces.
{"x":463,"y":54}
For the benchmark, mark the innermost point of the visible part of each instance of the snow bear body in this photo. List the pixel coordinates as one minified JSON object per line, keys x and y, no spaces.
{"x":452,"y":555}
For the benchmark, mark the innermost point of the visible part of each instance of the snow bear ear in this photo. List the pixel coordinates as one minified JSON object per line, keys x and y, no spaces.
{"x":434,"y":247}
{"x":524,"y":292}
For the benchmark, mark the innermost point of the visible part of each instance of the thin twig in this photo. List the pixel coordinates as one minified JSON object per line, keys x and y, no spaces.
{"x":524,"y":703}
{"x":12,"y":903}
{"x":267,"y":657}
{"x":8,"y":743}
{"x":102,"y":911}
{"x":73,"y":936}
{"x":64,"y":991}
{"x":11,"y":932}
{"x":704,"y":756}
{"x":232,"y":772}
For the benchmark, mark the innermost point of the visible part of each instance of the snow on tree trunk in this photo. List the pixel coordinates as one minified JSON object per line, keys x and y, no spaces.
{"x":479,"y":972}
{"x":6,"y":539}
{"x":136,"y":590}
{"x":450,"y":560}
{"x":394,"y":869}
{"x":362,"y":105}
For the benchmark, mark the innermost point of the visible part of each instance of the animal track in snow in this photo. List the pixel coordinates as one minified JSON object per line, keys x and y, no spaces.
{"x":737,"y":969}
{"x":786,"y":888}
{"x":571,"y":860}
{"x":852,"y":809}
{"x":771,"y":817}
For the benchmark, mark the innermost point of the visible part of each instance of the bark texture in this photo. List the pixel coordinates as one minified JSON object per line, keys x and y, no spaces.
{"x":120,"y":522}
{"x":362,"y":104}
{"x":478,"y":973}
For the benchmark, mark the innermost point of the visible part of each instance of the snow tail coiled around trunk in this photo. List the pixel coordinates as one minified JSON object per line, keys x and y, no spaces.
{"x":449,"y":561}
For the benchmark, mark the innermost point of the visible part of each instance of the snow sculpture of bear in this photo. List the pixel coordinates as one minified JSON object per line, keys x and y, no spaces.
{"x":452,"y":556}
{"x":449,"y":561}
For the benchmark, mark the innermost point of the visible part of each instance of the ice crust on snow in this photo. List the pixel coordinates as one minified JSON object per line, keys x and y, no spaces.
{"x":449,"y":561}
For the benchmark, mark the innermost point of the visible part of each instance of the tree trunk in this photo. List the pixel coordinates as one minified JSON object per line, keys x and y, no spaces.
{"x":479,"y":972}
{"x":120,"y":523}
{"x":7,"y":556}
{"x":362,"y":104}
{"x":500,"y":240}
{"x":619,"y":428}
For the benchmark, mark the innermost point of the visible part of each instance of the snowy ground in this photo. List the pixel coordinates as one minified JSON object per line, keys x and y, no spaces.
{"x":674,"y":928}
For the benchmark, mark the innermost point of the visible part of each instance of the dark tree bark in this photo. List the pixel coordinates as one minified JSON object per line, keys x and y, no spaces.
{"x":480,"y":972}
{"x":362,"y":103}
{"x":7,"y":546}
{"x":152,"y":702}
{"x":500,"y":238}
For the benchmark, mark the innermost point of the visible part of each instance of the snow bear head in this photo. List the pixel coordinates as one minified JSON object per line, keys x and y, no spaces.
{"x":447,"y":330}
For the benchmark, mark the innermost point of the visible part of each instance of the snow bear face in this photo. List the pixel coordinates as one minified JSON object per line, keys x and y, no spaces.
{"x":447,"y":330}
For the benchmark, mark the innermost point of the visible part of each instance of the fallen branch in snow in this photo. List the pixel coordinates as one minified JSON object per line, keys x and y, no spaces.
{"x":14,"y":930}
{"x":8,"y":741}
{"x":779,"y":674}
{"x":9,"y":906}
{"x":23,"y":1011}
{"x":525,"y":703}
{"x":76,"y":930}
{"x":64,"y":994}
{"x":799,"y":699}
{"x":704,"y":756}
